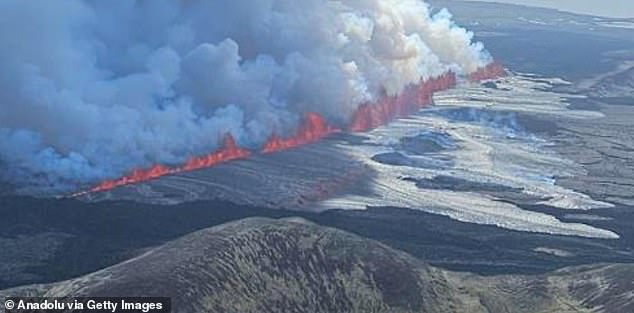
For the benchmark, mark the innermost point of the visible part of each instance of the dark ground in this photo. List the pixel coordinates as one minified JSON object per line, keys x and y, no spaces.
{"x":103,"y":234}
{"x":86,"y":237}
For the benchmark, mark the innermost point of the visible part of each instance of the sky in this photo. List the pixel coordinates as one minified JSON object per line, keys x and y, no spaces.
{"x":611,"y":8}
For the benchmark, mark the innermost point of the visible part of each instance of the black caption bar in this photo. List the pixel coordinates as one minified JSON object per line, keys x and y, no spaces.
{"x":87,"y":304}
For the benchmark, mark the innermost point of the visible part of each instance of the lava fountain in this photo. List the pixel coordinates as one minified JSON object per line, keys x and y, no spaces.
{"x":491,"y":71}
{"x":227,"y":152}
{"x":312,"y":128}
{"x":414,"y":97}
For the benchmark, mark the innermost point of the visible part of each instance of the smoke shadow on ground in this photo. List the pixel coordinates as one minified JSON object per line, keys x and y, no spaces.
{"x":422,"y":150}
{"x":458,"y":184}
{"x":400,"y":159}
{"x":427,"y":142}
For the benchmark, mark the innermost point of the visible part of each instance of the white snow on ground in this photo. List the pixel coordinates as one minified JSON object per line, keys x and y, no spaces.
{"x":485,"y":152}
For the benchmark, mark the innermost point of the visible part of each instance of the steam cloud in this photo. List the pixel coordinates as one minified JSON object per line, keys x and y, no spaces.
{"x":90,"y":89}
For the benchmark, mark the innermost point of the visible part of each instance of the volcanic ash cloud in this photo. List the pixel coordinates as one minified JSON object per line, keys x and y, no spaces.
{"x":91,"y":89}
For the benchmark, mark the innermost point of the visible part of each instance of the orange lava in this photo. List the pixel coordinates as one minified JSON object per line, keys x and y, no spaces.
{"x":135,"y":176}
{"x":414,"y":97}
{"x":491,"y":71}
{"x":312,"y":128}
{"x":228,"y":151}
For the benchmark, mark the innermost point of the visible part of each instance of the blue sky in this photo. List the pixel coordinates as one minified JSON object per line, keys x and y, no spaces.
{"x":612,"y":8}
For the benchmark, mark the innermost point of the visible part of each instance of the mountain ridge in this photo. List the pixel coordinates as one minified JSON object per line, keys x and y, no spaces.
{"x":292,"y":265}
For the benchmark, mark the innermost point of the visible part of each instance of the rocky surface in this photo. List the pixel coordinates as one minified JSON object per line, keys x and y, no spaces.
{"x":291,"y":265}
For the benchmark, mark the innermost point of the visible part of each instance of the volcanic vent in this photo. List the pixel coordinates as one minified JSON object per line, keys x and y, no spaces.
{"x":301,"y":175}
{"x":157,"y":95}
{"x":312,"y":128}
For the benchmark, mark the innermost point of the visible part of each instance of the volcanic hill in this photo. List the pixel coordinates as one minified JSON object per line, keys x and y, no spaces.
{"x":291,"y":265}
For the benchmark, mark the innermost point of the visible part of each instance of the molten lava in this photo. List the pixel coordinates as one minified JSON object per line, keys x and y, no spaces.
{"x":491,"y":71}
{"x":312,"y":128}
{"x":135,"y":176}
{"x":372,"y":115}
{"x":228,"y":151}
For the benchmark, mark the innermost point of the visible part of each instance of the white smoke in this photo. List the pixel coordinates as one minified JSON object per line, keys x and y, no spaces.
{"x":90,"y":89}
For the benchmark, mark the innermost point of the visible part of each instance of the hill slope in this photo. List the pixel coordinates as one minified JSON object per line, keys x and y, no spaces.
{"x":291,"y":265}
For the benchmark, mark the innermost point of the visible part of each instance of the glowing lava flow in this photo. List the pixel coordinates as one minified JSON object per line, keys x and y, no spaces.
{"x":491,"y":71}
{"x":137,"y":175}
{"x":228,"y":151}
{"x":312,"y":128}
{"x":372,"y":115}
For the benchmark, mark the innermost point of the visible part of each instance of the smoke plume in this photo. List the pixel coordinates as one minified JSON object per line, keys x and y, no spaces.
{"x":91,"y":89}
